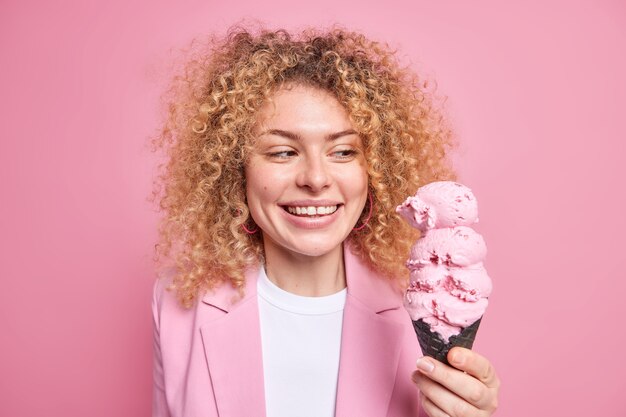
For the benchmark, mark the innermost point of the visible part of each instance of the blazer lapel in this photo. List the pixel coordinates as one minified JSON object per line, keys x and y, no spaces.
{"x":232,"y":345}
{"x":370,"y":343}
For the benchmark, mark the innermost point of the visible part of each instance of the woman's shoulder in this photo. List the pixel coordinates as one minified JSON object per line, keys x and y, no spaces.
{"x":223,"y":296}
{"x":164,"y":297}
{"x":175,"y":322}
{"x":163,"y":281}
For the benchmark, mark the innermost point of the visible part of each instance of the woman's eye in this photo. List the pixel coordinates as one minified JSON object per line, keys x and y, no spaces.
{"x":345,"y":153}
{"x":281,"y":154}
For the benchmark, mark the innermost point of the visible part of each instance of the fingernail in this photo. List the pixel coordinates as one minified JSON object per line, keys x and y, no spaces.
{"x":425,"y":365}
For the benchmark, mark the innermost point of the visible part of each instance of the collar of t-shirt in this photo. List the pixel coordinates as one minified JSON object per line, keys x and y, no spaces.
{"x":299,"y":304}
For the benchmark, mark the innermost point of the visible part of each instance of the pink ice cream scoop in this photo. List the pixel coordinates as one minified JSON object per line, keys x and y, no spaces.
{"x":440,"y":204}
{"x":449,"y":284}
{"x":450,"y":246}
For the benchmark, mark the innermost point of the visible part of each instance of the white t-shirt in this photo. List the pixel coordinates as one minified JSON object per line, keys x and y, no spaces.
{"x":301,"y":341}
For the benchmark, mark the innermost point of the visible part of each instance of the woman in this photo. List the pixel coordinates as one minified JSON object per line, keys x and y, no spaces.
{"x":286,"y":159}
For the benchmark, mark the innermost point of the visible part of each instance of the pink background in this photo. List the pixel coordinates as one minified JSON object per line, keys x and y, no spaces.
{"x":536,"y":92}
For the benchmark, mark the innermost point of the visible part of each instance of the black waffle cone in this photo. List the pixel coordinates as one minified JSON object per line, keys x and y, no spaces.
{"x":433,"y":345}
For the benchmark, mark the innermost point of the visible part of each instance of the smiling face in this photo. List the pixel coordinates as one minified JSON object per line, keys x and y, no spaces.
{"x":306,"y":178}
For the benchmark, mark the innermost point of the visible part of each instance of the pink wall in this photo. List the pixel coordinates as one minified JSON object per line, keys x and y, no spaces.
{"x":537,"y":94}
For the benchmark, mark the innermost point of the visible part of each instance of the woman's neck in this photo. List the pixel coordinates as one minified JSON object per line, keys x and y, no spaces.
{"x":309,"y":276}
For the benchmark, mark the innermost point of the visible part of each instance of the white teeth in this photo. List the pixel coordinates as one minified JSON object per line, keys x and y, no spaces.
{"x":312,"y":210}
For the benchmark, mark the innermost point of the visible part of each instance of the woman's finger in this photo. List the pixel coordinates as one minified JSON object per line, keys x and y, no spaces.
{"x":430,"y":408}
{"x":464,"y":386}
{"x":445,"y":400}
{"x":475,"y":365}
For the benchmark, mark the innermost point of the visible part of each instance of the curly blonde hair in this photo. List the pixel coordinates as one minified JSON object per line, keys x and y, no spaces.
{"x":208,"y":133}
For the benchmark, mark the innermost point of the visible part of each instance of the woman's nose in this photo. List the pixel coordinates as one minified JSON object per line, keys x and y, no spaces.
{"x":314,"y":174}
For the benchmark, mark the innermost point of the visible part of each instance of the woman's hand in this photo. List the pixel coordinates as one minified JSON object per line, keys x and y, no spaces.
{"x":470,"y":390}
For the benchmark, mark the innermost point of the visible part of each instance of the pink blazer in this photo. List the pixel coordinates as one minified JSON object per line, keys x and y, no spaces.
{"x":207,"y":359}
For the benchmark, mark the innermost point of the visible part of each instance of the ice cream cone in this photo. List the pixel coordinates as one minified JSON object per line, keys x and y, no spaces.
{"x":433,"y":345}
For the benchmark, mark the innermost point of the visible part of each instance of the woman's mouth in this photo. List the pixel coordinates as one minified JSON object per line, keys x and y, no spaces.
{"x":311,"y":211}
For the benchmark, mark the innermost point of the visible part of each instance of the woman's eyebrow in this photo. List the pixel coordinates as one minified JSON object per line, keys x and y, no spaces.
{"x":342,"y":133}
{"x":296,"y":137}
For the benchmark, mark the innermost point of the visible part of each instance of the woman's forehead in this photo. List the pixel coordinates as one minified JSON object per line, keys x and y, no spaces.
{"x":298,"y":104}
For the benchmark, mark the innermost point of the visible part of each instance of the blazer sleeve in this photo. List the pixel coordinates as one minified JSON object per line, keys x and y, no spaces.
{"x":159,"y":403}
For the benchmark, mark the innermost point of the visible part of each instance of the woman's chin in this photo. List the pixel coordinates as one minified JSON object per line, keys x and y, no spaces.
{"x":306,"y":246}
